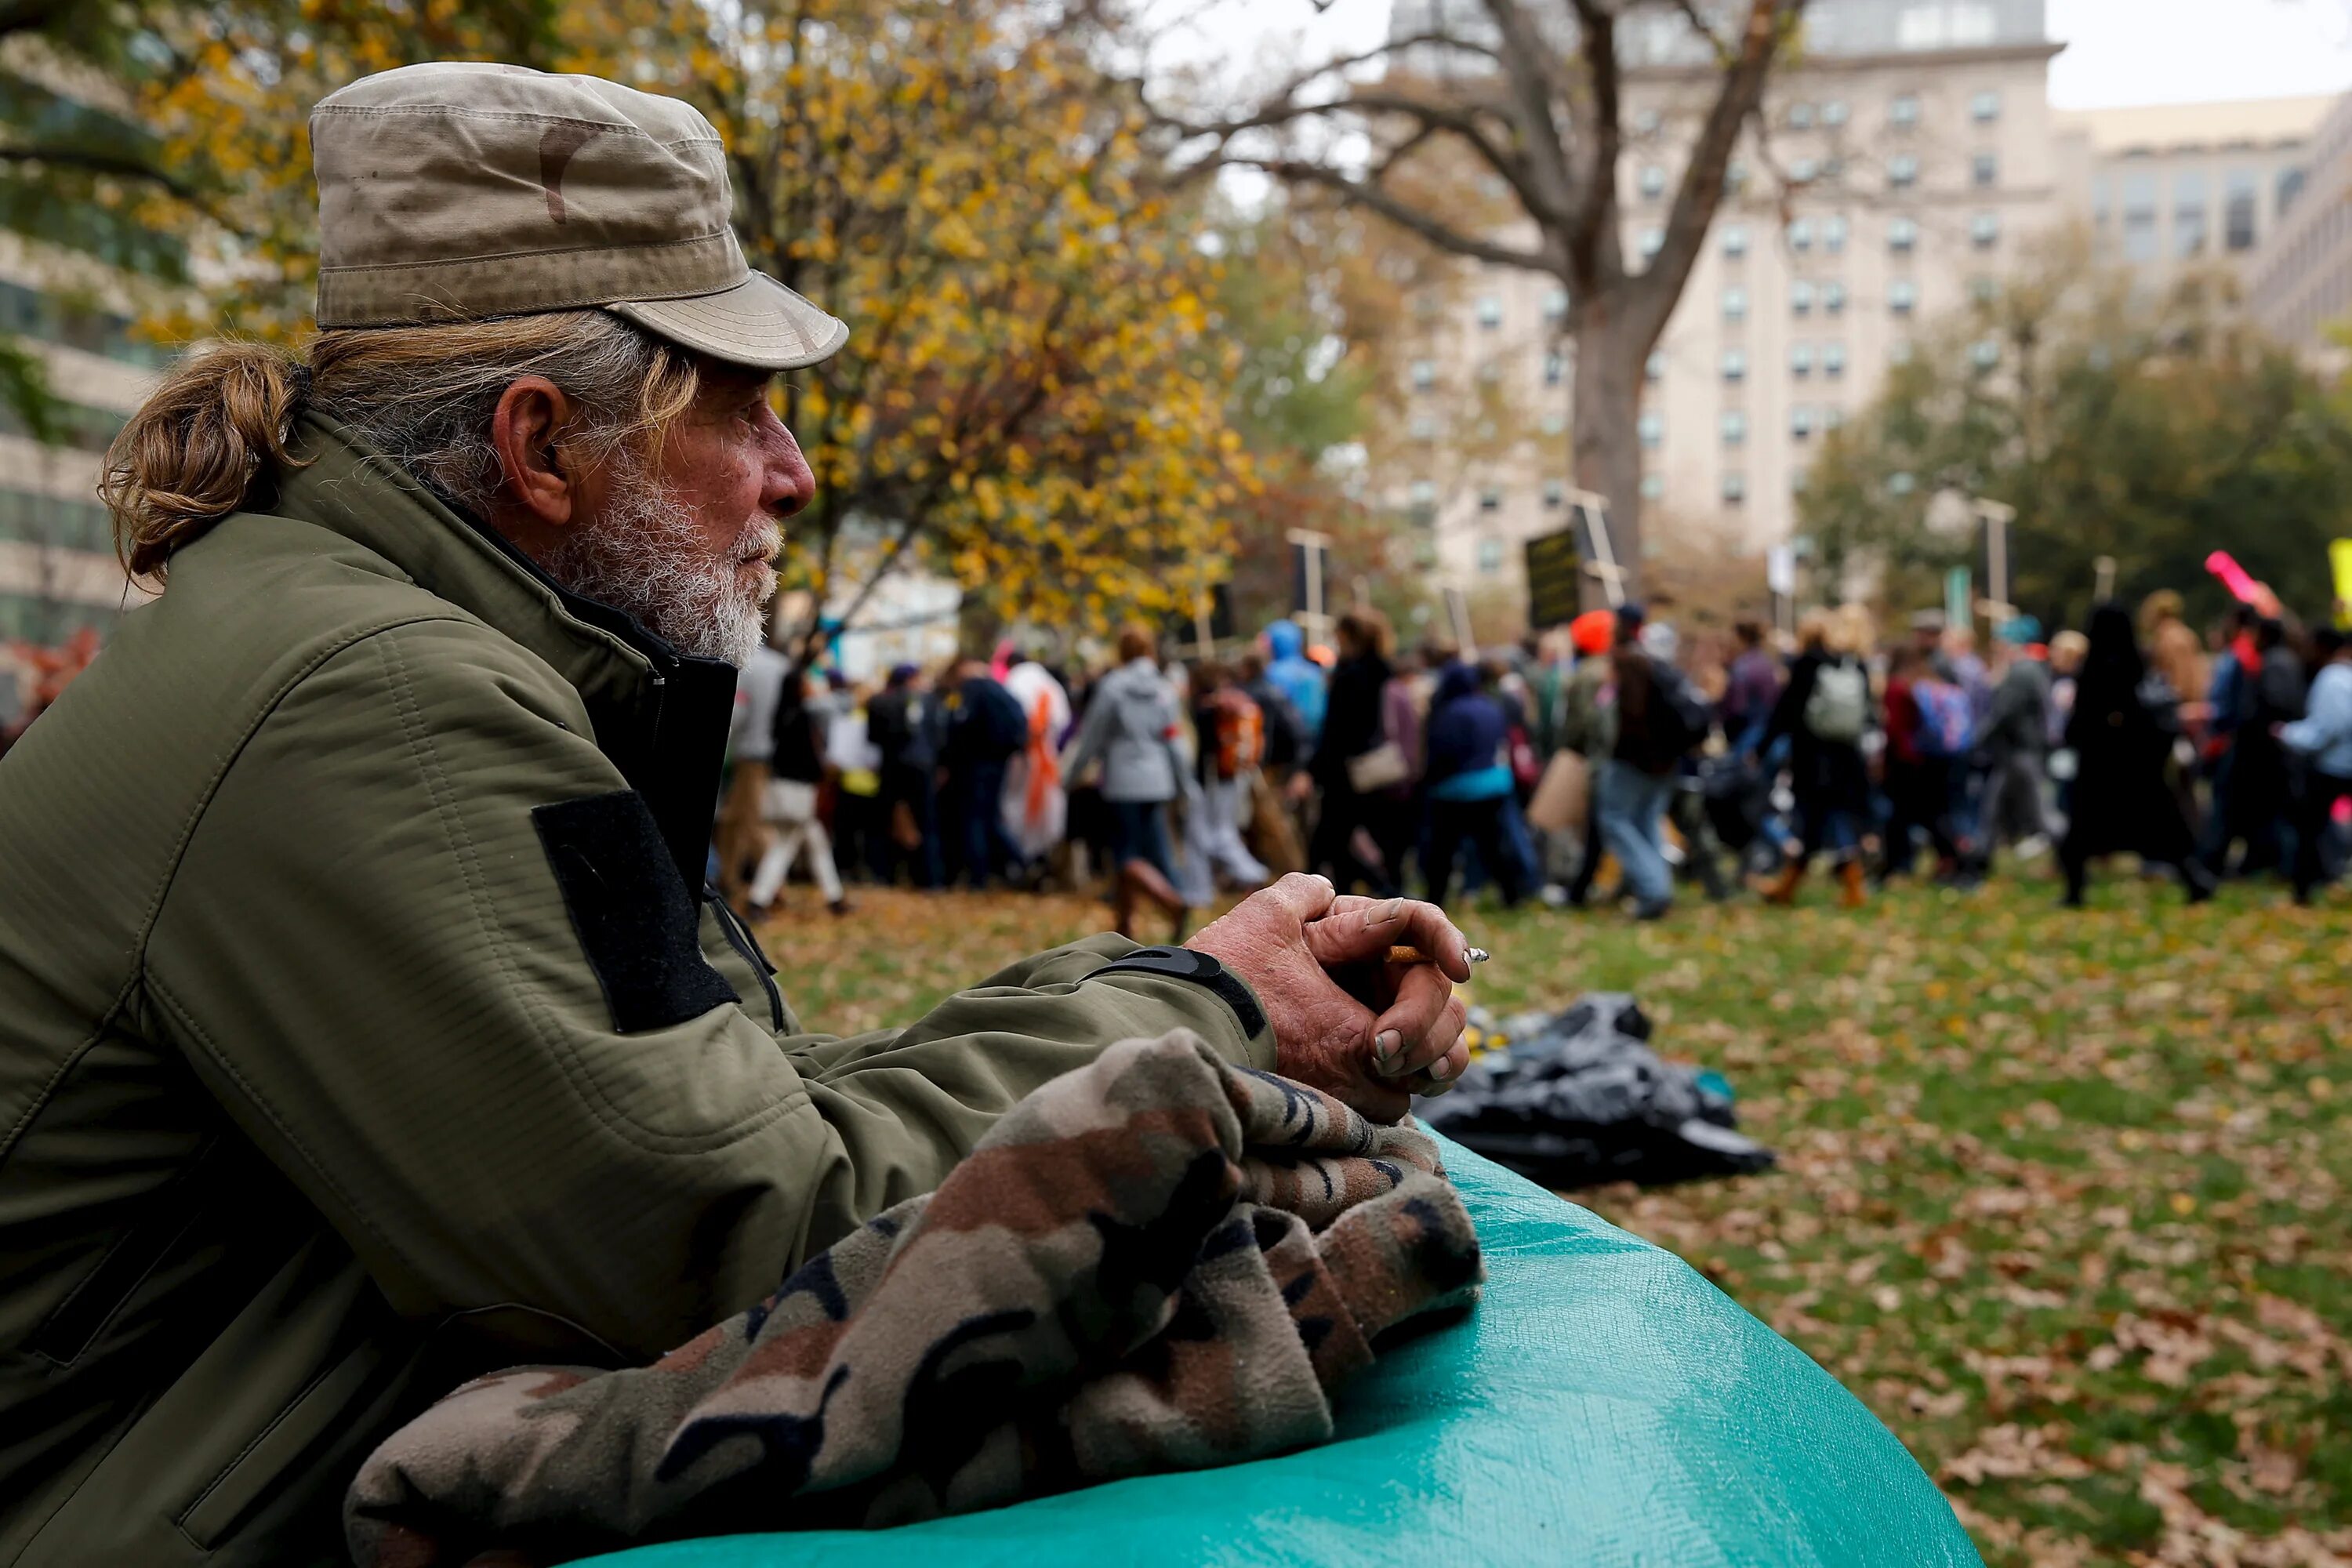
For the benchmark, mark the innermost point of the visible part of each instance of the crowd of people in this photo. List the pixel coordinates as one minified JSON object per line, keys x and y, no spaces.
{"x":1607,"y":760}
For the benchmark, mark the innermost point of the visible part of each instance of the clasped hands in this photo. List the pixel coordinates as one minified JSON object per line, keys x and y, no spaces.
{"x":1346,"y":1020}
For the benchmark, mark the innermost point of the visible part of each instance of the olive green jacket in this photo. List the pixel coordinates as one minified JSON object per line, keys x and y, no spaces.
{"x":360,"y":1031}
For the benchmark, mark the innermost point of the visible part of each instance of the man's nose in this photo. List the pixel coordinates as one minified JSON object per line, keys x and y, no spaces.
{"x":788,"y":485}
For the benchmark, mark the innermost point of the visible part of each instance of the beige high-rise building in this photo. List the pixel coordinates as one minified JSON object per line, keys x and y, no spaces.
{"x":1904,"y":162}
{"x":2298,"y":286}
{"x":2175,"y":186}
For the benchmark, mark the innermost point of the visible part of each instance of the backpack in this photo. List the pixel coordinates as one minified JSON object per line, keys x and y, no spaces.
{"x":1838,"y":707}
{"x":1679,"y":717}
{"x":1944,"y":723}
{"x":1000,"y":728}
{"x":1240,"y":733}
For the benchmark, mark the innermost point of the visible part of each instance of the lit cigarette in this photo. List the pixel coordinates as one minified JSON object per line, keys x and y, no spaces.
{"x":1414,"y":955}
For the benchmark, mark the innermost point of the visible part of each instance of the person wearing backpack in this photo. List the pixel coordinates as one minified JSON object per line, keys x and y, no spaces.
{"x":1928,"y":732}
{"x":1659,"y":720}
{"x":1823,"y":712}
{"x":986,"y":730}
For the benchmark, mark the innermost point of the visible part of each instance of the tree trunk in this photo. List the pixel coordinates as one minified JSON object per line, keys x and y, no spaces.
{"x":1605,"y":444}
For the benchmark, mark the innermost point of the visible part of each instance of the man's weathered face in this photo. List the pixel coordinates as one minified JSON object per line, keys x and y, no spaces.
{"x":686,"y":541}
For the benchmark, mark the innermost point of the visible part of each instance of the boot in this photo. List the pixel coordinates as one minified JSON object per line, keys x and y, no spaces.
{"x":1782,"y":890}
{"x":1140,"y":882}
{"x":1849,"y":885}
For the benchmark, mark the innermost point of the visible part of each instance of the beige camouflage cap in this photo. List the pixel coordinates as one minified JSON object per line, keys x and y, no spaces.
{"x":462,"y":191}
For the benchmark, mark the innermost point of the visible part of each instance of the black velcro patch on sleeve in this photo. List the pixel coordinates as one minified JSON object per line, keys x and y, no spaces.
{"x":636,"y":918}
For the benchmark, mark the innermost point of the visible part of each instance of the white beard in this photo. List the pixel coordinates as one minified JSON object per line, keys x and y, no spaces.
{"x":647,"y":557}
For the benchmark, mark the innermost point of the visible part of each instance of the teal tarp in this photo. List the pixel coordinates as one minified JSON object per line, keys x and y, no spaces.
{"x":1604,"y":1407}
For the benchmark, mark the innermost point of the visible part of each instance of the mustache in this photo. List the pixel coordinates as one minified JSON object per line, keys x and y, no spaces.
{"x":762,"y":535}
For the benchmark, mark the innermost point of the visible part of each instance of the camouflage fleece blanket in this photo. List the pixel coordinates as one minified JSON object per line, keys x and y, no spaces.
{"x":1158,"y":1262}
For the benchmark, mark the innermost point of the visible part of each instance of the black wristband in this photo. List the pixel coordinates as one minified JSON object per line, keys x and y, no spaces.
{"x":1183,"y":964}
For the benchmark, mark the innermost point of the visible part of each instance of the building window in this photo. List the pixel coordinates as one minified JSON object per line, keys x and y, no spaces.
{"x":1653,"y":241}
{"x":2290,"y":185}
{"x":1801,"y":423}
{"x":1651,"y":430}
{"x":1903,"y":110}
{"x":2099,"y":189}
{"x":1800,"y":234}
{"x":1555,"y":493}
{"x":1834,"y":359}
{"x":1424,"y":374}
{"x":1833,"y":417}
{"x":1555,"y":304}
{"x":1490,"y":556}
{"x":1834,"y":113}
{"x":1983,"y":289}
{"x":1734,"y":303}
{"x":1901,"y":295}
{"x":1555,"y":368}
{"x":1424,"y":427}
{"x":1985,"y":170}
{"x":1653,"y":181}
{"x":1490,"y":498}
{"x":1833,"y":233}
{"x":2243,"y":190}
{"x":1801,"y":296}
{"x":1801,"y":359}
{"x":1735,"y":175}
{"x":1802,"y":171}
{"x":1735,"y":364}
{"x":1903,"y":169}
{"x":1490,"y":311}
{"x":1984,"y":230}
{"x":1735,"y":487}
{"x":1899,"y":352}
{"x":1902,"y":232}
{"x":1984,"y":108}
{"x":1901,"y":484}
{"x":2139,"y":215}
{"x":1654,"y":367}
{"x":1734,"y":240}
{"x":1421,"y":496}
{"x":1646,"y":124}
{"x":1553,"y":423}
{"x":1490,"y":372}
{"x":1653,"y":486}
{"x":1984,"y":353}
{"x":1832,"y":297}
{"x":1735,"y":427}
{"x":1800,"y":116}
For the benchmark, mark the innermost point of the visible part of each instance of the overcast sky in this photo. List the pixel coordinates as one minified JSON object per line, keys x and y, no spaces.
{"x":2118,"y":51}
{"x":2187,"y":51}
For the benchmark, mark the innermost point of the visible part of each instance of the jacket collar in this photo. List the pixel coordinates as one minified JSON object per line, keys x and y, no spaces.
{"x":659,"y":715}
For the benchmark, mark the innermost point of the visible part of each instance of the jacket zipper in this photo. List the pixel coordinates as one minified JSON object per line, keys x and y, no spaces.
{"x":748,"y":947}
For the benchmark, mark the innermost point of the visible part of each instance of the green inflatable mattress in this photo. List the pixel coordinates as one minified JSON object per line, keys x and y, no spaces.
{"x":1605,"y":1406}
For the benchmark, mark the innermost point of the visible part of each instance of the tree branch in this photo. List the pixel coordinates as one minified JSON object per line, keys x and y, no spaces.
{"x":1402,"y":214}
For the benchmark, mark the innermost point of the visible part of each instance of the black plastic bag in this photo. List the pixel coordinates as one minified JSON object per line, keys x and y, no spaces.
{"x":1580,"y":1100}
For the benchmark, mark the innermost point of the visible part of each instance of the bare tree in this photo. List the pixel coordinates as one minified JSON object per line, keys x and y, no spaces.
{"x":1531,"y":92}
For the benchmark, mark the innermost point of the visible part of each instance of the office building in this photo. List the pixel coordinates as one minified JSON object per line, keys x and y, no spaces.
{"x":2168,"y":188}
{"x":2298,"y":286}
{"x":1909,"y":155}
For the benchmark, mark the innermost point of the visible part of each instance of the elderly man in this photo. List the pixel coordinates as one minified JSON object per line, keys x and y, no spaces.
{"x":363,"y":1022}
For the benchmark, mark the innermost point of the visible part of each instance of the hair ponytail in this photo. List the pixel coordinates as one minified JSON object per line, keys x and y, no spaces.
{"x":187,"y":459}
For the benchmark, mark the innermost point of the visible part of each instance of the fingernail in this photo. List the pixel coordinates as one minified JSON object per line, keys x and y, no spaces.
{"x":1392,"y":911}
{"x":1384,"y":1047}
{"x":1442,"y":1068}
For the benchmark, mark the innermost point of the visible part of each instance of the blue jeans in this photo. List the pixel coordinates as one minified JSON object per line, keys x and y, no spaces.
{"x":1138,"y":831}
{"x":1633,"y":807}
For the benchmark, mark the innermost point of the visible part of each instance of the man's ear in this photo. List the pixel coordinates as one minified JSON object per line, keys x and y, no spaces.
{"x":524,"y":428}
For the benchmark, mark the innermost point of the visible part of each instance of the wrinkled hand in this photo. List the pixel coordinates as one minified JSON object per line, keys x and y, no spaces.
{"x":1344,"y":1019}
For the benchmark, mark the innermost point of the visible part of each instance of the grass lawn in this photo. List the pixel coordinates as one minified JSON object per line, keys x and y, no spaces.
{"x":2062,"y":1196}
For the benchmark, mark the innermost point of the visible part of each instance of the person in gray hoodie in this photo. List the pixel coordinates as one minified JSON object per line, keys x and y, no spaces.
{"x":1130,"y":726}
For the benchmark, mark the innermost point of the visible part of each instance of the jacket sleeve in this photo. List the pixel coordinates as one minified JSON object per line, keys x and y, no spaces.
{"x":370,"y":958}
{"x":1093,"y":730}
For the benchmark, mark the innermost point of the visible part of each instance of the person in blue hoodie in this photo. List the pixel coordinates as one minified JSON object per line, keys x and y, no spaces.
{"x":1297,"y":678}
{"x":1466,"y":781}
{"x":2323,"y":738}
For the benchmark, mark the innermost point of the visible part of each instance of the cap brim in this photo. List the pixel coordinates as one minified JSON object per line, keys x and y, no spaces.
{"x":759,"y":322}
